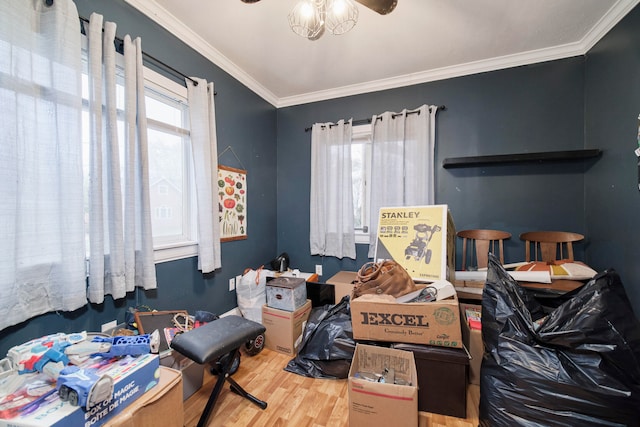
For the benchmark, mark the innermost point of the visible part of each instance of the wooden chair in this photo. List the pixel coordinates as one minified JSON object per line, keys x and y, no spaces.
{"x":481,"y":242}
{"x":549,"y":245}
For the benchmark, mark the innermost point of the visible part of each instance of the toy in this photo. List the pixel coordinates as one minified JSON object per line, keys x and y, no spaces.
{"x":134,"y":345}
{"x":83,"y":387}
{"x":80,"y":386}
{"x":131,"y":345}
{"x":36,"y":354}
{"x":24,"y":397}
{"x":6,"y":368}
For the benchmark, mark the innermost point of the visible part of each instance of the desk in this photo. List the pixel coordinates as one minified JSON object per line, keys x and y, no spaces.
{"x":468,"y":290}
{"x":472,"y":290}
{"x":560,"y":285}
{"x":308,"y":277}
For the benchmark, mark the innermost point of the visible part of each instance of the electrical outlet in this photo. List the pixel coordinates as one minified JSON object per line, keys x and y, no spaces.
{"x":319,"y":269}
{"x":108,"y":326}
{"x":232,"y":284}
{"x":238,"y":278}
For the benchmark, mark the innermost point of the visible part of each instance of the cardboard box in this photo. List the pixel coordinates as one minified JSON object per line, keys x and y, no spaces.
{"x":420,"y":238}
{"x":284,"y":328}
{"x":286,"y":293}
{"x":192,"y":372}
{"x":343,"y":283}
{"x":132,"y":378}
{"x":442,"y":375}
{"x":380,"y":318}
{"x":160,"y":406}
{"x":472,"y":339}
{"x":374,"y":404}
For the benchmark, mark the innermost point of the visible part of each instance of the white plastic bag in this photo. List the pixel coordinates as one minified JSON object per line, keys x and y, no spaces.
{"x":251,"y":294}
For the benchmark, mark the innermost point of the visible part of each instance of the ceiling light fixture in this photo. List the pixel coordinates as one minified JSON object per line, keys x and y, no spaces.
{"x":310,"y":18}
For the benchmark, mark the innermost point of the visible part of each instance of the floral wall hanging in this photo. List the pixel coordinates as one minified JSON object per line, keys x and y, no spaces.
{"x":232,"y":203}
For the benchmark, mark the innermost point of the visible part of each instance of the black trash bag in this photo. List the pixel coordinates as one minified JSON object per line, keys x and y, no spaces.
{"x":576,"y":365}
{"x":205,"y":316}
{"x":327,"y":345}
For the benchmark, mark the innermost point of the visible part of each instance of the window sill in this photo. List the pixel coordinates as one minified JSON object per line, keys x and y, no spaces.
{"x":362,"y":238}
{"x":175,"y":252}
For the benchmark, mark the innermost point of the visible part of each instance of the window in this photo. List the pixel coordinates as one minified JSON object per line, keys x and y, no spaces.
{"x":172,"y":192}
{"x":163,"y":212}
{"x":361,"y":177}
{"x":170,"y":168}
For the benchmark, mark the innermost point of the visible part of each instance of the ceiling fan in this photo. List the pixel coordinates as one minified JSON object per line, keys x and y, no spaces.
{"x":383,"y":7}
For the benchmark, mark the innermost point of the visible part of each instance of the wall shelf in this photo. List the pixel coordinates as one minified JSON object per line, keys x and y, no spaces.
{"x":546,"y":156}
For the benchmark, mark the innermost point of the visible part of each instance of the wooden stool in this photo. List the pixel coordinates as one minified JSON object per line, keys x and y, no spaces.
{"x":209,"y":343}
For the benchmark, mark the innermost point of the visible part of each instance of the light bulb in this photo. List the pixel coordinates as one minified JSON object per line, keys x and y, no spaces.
{"x":342,"y":16}
{"x":306,"y":10}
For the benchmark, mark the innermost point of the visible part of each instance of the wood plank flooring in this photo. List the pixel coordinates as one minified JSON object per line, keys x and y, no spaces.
{"x":293,"y":400}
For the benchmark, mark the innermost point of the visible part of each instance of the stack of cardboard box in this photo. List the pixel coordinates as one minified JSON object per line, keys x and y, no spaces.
{"x":427,"y":335}
{"x":383,"y":403}
{"x":285,"y":314}
{"x":284,"y":328}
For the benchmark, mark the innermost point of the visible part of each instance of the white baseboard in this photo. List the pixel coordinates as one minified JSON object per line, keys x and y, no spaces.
{"x":234,"y":311}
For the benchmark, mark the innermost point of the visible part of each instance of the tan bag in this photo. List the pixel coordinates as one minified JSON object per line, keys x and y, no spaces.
{"x":384,"y":277}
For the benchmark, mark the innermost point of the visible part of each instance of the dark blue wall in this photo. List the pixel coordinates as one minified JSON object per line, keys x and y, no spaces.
{"x":518,"y":110}
{"x":582,"y":102}
{"x":575,"y":103}
{"x":611,"y":187}
{"x":245,"y":122}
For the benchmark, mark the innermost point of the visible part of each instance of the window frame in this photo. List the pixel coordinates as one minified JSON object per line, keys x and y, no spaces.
{"x":168,"y":250}
{"x":363,"y":133}
{"x":188,"y":247}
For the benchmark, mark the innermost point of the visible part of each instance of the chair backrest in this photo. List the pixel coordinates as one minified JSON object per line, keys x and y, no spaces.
{"x":549,"y":246}
{"x":481,"y":242}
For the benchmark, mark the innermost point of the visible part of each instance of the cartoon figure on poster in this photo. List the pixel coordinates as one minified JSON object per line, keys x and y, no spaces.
{"x":413,"y":237}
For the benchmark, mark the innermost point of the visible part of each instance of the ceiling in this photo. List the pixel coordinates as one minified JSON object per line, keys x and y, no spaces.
{"x":420,"y":41}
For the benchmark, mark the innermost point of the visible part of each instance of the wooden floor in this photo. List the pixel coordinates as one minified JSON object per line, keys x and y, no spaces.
{"x":293,"y":400}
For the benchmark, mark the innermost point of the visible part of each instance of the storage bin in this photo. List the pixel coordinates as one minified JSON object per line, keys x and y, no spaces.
{"x":442,"y":378}
{"x":192,"y":372}
{"x":320,"y":294}
{"x":286,"y":293}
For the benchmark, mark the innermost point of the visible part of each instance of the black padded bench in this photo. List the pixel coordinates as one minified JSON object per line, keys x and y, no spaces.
{"x":209,"y":343}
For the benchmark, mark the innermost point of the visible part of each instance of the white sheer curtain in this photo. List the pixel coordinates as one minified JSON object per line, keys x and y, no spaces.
{"x":205,"y":158}
{"x":331,"y":204}
{"x":402,"y":171}
{"x":41,"y":225}
{"x":120,"y":236}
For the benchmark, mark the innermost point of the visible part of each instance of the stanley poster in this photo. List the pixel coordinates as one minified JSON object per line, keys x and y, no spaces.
{"x":420,"y":238}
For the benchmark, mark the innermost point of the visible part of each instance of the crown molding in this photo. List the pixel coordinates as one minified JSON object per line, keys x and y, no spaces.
{"x":618,"y":11}
{"x":172,"y":24}
{"x":493,"y":64}
{"x":161,"y":16}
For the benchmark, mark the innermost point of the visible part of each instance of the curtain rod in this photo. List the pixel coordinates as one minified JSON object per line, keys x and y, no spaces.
{"x":366,"y":121}
{"x":148,"y":57}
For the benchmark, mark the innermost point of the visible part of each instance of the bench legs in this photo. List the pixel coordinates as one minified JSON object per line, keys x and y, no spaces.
{"x":223,"y":369}
{"x":219,"y":342}
{"x":235,"y":387}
